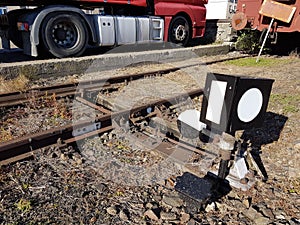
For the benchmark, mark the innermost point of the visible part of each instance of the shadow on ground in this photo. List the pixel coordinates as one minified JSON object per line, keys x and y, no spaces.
{"x":268,"y":133}
{"x":198,"y":192}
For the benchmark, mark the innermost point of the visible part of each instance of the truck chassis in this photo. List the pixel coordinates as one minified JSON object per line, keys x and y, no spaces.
{"x":67,"y":29}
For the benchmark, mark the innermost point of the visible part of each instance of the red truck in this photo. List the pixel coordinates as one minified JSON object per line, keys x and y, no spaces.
{"x":65,"y":29}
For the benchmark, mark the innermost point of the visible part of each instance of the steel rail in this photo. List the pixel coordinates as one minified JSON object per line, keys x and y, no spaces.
{"x":61,"y":90}
{"x":67,"y":134}
{"x":69,"y":89}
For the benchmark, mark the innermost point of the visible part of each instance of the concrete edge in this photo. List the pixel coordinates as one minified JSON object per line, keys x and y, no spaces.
{"x":88,"y":64}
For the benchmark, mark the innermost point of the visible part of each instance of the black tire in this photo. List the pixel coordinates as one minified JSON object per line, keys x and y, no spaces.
{"x":179,"y":31}
{"x":64,"y":35}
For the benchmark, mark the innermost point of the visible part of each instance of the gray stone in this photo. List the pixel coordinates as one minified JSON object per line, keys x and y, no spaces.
{"x":280,"y":217}
{"x":149,"y":205}
{"x":246,"y":202}
{"x":267,"y":213}
{"x":191,"y":222}
{"x":89,"y":153}
{"x":210,"y":207}
{"x":157,"y":198}
{"x":237,"y":204}
{"x":221,"y":207}
{"x":174,"y":201}
{"x":261,"y":220}
{"x":101,"y":187}
{"x":232,"y":195}
{"x":112,"y":210}
{"x":252,"y":214}
{"x":168,"y":216}
{"x":176,"y":210}
{"x":123,"y":215}
{"x":151,"y":215}
{"x":184,"y":218}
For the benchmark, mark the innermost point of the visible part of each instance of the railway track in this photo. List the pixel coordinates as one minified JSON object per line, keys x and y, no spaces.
{"x":25,"y":146}
{"x":66,"y":89}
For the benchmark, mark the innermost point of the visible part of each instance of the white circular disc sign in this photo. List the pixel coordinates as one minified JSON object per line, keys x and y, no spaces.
{"x":250,"y":105}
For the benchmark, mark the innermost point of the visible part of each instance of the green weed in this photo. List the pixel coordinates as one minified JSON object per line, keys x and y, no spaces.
{"x":248,"y":41}
{"x":24,"y":205}
{"x":288,"y":102}
{"x":251,"y":62}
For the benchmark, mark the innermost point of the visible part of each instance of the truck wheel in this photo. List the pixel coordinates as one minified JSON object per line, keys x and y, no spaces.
{"x":179,"y":31}
{"x":64,"y":35}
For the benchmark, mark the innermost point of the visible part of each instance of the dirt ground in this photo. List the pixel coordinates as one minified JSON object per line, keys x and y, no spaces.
{"x":59,"y":186}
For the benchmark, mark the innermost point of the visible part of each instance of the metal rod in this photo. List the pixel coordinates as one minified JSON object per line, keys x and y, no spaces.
{"x":223,"y":169}
{"x":265,"y":39}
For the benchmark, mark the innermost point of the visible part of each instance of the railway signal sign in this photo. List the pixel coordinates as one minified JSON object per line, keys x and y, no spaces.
{"x":277,"y":10}
{"x":233,"y":103}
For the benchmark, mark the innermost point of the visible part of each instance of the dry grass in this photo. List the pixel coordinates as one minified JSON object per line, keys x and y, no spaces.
{"x":20,"y":83}
{"x":5,"y":135}
{"x":47,"y":111}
